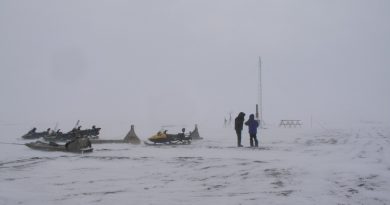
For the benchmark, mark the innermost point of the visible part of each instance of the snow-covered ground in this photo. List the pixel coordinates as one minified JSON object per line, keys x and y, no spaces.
{"x":292,"y":166}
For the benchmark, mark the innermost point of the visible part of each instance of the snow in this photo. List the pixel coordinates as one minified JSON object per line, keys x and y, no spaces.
{"x":292,"y":166}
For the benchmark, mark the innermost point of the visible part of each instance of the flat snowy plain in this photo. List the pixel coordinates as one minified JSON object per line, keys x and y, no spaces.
{"x":292,"y":166}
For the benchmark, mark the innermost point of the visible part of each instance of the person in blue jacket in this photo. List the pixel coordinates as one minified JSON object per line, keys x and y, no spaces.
{"x":252,"y":126}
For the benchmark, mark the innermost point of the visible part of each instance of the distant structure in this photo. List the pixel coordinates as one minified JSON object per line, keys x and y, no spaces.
{"x":195,"y":134}
{"x":131,"y":137}
{"x":290,"y":123}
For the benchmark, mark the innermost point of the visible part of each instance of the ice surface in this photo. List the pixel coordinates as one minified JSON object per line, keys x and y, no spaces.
{"x":292,"y":166}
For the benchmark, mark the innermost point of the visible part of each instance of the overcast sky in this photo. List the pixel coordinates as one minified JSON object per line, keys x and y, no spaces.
{"x":153,"y":63}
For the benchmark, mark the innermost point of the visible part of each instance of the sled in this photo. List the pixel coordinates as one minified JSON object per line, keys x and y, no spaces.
{"x":131,"y":138}
{"x":79,"y":145}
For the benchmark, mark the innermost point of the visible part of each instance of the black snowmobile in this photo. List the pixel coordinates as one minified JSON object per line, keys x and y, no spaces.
{"x":32,"y":134}
{"x":73,"y":134}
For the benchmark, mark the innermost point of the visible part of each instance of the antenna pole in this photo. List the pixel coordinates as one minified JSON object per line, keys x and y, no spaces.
{"x":260,"y":98}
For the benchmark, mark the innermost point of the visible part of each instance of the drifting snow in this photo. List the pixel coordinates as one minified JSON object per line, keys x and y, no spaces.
{"x":292,"y":166}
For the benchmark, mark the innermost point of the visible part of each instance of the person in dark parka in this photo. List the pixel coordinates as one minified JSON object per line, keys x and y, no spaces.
{"x":238,"y":124}
{"x":252,"y":126}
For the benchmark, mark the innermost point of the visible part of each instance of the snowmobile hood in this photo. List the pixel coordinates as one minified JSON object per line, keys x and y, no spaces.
{"x":157,"y":136}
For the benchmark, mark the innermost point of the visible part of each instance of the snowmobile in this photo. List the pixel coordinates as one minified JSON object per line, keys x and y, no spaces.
{"x":74,"y":133}
{"x":59,"y":136}
{"x":32,"y":134}
{"x":91,"y":133}
{"x":78,"y":145}
{"x":162,"y":138}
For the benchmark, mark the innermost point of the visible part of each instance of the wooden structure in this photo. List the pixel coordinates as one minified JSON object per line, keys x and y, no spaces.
{"x":195,"y":134}
{"x":290,"y":123}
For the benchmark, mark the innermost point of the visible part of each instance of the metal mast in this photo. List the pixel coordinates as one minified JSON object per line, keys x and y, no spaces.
{"x":260,"y":97}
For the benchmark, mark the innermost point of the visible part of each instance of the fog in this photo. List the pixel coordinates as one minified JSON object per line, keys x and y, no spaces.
{"x":154,"y":63}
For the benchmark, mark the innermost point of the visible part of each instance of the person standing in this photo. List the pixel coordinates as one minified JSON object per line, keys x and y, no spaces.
{"x":252,"y":127}
{"x":238,"y":124}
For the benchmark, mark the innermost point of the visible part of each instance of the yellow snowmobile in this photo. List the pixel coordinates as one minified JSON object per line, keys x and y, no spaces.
{"x":169,"y":139}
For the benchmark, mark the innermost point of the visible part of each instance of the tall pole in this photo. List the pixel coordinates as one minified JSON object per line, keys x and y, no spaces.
{"x":260,"y":98}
